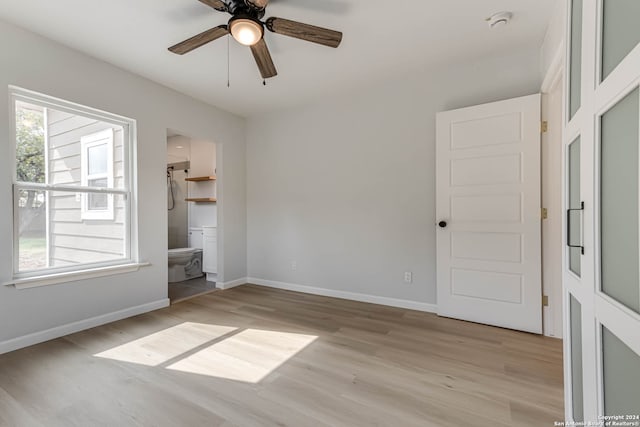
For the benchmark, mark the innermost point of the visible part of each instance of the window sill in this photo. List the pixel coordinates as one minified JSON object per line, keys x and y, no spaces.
{"x":54,"y":279}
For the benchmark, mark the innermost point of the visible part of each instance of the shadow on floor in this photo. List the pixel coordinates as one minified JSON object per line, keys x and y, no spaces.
{"x":182,"y":291}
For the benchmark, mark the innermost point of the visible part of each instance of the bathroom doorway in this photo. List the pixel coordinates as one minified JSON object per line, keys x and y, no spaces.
{"x":192,"y":216}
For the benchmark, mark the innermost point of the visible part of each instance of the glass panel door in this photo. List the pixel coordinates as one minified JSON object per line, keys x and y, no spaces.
{"x":575,"y":314}
{"x":619,"y":201}
{"x":574,"y":211}
{"x":620,"y":377}
{"x":575,"y":61}
{"x":602,"y":284}
{"x":620,"y":32}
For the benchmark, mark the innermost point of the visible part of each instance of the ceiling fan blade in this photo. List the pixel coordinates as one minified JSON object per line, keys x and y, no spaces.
{"x":199,"y":40}
{"x":306,"y":32}
{"x":263,"y":59}
{"x":216,"y":4}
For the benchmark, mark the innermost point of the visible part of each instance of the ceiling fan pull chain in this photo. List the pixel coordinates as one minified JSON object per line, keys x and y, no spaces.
{"x":264,"y":82}
{"x":228,"y":62}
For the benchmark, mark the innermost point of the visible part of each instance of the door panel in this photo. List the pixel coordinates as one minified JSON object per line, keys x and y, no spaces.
{"x":620,"y":32}
{"x":488,"y":192}
{"x":621,"y":376}
{"x":619,"y":201}
{"x":486,"y":131}
{"x":499,"y":247}
{"x":575,"y":203}
{"x":576,"y":359}
{"x":486,"y":170}
{"x":607,"y":291}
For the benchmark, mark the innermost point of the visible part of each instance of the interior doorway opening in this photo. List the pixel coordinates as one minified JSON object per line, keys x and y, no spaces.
{"x":192,"y":216}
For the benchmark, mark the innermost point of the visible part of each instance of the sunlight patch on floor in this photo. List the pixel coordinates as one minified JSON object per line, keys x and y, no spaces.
{"x":247,"y":356}
{"x":162,"y":346}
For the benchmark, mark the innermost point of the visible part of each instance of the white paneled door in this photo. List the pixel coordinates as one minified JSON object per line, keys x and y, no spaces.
{"x":488,"y":213}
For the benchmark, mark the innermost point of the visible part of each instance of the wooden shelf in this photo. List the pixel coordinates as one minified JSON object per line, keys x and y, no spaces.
{"x":201,"y":178}
{"x":202,"y":199}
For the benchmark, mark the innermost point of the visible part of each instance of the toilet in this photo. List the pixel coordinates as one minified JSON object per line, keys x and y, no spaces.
{"x":186,"y":263}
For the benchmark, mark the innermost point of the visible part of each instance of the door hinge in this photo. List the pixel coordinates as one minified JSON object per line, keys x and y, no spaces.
{"x":545,"y":301}
{"x":544,"y":213}
{"x":544,"y":126}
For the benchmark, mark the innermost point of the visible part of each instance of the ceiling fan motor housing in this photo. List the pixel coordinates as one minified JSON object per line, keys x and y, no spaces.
{"x":245,"y":7}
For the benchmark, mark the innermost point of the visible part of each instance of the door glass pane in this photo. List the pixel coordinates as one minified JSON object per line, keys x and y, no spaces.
{"x":575,"y":310}
{"x":620,"y":32}
{"x":575,"y":81}
{"x":574,"y":203}
{"x":621,"y":376}
{"x":619,"y":202}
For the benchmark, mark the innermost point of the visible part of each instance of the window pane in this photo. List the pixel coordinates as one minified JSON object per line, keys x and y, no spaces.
{"x":98,"y":202}
{"x":99,"y":182}
{"x":97,"y":159}
{"x":32,"y":230}
{"x":620,"y":32}
{"x":65,"y":132}
{"x":72,"y":239}
{"x":621,"y":376}
{"x":30,"y":143}
{"x":576,"y":359}
{"x":574,"y":203}
{"x":575,"y":82}
{"x":619,"y":202}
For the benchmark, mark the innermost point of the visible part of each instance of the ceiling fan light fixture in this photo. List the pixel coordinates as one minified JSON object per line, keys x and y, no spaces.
{"x":246,"y":31}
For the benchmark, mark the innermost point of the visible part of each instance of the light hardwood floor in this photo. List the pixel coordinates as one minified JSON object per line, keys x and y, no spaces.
{"x":253,"y":356}
{"x":188,"y":289}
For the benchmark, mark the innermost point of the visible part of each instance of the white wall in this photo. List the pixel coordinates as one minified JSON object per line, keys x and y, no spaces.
{"x":203,"y":163}
{"x":552,"y":48}
{"x":178,"y":217}
{"x":41,"y":65}
{"x":346,"y":187}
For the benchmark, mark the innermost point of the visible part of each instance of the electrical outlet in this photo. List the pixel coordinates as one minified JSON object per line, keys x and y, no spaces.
{"x":408,"y":277}
{"x":294,"y":265}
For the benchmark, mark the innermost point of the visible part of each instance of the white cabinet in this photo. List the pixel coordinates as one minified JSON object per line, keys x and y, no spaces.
{"x":196,"y":238}
{"x":210,"y":250}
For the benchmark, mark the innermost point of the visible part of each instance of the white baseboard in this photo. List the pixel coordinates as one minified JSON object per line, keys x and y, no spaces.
{"x":393,"y":302}
{"x":233,"y":283}
{"x":70,"y":328}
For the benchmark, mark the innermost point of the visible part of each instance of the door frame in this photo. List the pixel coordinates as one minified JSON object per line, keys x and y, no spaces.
{"x":552,"y":315}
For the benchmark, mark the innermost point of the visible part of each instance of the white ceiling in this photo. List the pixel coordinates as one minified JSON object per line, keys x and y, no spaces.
{"x":381,"y":38}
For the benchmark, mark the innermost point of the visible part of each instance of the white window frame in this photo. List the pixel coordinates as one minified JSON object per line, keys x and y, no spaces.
{"x":87,"y":142}
{"x":130,"y":259}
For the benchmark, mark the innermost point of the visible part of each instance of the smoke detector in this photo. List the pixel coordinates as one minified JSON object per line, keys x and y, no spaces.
{"x":499,"y":19}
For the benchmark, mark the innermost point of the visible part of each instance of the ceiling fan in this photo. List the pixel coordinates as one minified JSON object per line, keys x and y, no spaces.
{"x":247,"y":28}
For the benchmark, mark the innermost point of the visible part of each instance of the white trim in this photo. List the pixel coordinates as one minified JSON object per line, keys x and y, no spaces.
{"x":232,"y":283}
{"x":130,"y":178}
{"x":81,"y":325}
{"x":104,"y":137}
{"x":555,"y":70}
{"x":372,"y":299}
{"x":72,"y":276}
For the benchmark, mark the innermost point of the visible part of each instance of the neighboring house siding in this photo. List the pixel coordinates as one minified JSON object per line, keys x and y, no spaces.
{"x":73,"y":239}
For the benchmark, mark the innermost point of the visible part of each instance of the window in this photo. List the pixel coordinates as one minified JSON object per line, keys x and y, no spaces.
{"x":72,"y":187}
{"x":97,"y":171}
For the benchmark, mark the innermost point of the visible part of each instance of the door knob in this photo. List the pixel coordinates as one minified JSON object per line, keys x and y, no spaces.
{"x":442,"y":224}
